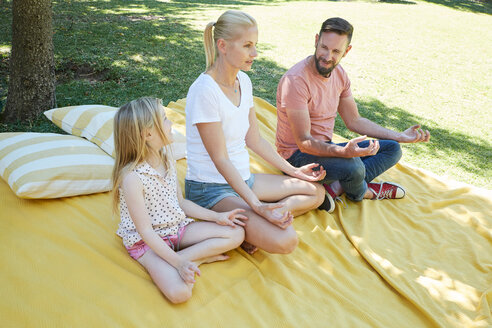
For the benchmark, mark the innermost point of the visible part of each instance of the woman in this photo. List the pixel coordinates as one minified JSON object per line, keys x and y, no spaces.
{"x":220,"y":122}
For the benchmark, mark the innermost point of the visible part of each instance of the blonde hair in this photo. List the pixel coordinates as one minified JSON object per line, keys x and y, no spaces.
{"x":225,"y":28}
{"x":131,"y":121}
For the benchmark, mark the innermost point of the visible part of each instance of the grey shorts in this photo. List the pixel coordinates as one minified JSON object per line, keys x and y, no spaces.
{"x":208,"y":194}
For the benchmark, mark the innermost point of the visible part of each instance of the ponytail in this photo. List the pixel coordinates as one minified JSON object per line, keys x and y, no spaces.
{"x":209,"y":44}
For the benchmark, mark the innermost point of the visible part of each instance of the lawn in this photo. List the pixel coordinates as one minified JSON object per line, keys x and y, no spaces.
{"x":427,"y":62}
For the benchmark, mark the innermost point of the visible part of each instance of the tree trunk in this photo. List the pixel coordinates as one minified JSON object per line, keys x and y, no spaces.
{"x":31,"y":87}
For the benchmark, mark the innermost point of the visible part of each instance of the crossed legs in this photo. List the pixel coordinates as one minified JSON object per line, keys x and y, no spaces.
{"x":298,"y":196}
{"x":202,"y":242}
{"x":351,"y":175}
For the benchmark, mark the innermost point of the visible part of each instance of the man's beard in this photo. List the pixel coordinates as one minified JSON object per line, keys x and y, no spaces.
{"x":322,"y":70}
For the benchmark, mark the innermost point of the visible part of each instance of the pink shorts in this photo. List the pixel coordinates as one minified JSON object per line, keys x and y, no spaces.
{"x":140,"y":247}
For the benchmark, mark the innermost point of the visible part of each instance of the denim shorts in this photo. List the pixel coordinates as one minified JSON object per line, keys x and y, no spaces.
{"x":208,"y":194}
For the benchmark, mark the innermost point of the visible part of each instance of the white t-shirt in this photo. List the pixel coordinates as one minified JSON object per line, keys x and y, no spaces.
{"x":206,"y":102}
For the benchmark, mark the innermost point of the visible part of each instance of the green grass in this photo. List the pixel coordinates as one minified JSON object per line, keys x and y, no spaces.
{"x":426,"y":62}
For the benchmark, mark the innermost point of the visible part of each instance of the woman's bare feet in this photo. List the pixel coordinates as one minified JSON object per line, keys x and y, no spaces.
{"x":249,"y":248}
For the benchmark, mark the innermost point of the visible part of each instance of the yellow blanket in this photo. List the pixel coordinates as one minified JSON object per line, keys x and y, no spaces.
{"x":423,"y":261}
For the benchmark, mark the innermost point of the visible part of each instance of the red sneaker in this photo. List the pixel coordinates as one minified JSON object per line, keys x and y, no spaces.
{"x":330,"y":199}
{"x":386,"y":190}
{"x":329,"y":203}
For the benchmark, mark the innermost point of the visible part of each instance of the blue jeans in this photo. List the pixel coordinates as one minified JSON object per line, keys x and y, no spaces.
{"x":353,"y":173}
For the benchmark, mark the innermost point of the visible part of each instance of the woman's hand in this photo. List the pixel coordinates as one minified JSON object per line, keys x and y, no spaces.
{"x":272,"y":213}
{"x":310,"y":172}
{"x":187,"y":270}
{"x":231,"y":218}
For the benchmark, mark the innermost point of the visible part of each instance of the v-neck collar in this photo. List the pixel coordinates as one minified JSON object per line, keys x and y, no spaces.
{"x":222,"y":91}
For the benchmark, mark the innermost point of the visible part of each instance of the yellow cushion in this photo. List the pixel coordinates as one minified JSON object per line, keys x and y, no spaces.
{"x":95,"y":123}
{"x":48,"y":165}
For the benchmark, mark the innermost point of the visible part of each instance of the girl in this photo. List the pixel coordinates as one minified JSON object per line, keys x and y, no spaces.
{"x":154,"y":224}
{"x":220,"y":122}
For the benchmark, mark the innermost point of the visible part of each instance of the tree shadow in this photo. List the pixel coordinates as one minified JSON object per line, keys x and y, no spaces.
{"x":223,"y":2}
{"x":151,"y":50}
{"x":400,"y":2}
{"x":464,"y":151}
{"x":264,"y":77}
{"x":476,"y":6}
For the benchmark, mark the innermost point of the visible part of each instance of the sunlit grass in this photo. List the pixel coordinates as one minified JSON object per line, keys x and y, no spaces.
{"x":411,"y":62}
{"x":4,"y":49}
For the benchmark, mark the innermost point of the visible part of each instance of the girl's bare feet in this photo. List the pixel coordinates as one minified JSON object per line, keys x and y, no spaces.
{"x":249,"y":248}
{"x":215,"y":258}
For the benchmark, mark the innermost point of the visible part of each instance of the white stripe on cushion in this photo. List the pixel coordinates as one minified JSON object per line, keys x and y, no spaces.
{"x":23,"y":136}
{"x":108,"y":145}
{"x":72,"y":116}
{"x":96,"y":123}
{"x":52,"y":190}
{"x":39,"y":147}
{"x":59,"y":162}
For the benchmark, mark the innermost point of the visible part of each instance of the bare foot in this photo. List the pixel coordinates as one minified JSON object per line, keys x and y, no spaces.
{"x":369,"y":194}
{"x":220,"y":257}
{"x":249,"y":248}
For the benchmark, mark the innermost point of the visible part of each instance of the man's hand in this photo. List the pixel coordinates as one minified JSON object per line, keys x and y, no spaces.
{"x":414,"y":134}
{"x":231,"y":218}
{"x":308,"y":173}
{"x":352,"y":148}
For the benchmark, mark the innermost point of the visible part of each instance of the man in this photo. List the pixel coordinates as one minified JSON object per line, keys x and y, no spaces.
{"x":309,"y":96}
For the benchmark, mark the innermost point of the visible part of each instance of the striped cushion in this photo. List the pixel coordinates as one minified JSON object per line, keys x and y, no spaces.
{"x":48,"y":165}
{"x":95,"y":123}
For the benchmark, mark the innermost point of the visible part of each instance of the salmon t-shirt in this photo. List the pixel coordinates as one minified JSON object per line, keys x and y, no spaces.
{"x":301,"y":88}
